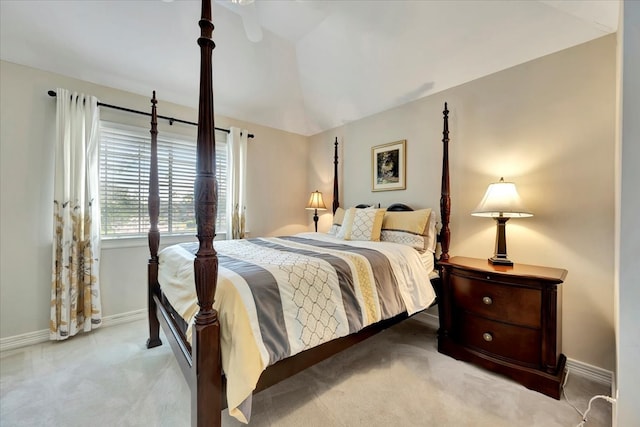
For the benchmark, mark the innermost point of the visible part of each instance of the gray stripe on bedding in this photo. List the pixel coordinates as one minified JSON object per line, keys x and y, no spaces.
{"x":266,"y":296}
{"x":389,"y":296}
{"x":345,"y":279}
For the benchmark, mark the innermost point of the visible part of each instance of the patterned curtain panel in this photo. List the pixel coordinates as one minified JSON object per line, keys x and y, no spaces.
{"x":75,"y":290}
{"x":237,"y":182}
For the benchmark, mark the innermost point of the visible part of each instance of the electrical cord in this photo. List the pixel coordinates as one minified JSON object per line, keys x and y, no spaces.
{"x":564,"y":393}
{"x":600,"y":396}
{"x":594,"y":398}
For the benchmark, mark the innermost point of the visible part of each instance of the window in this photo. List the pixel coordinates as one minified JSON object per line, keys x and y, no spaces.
{"x":124,"y":181}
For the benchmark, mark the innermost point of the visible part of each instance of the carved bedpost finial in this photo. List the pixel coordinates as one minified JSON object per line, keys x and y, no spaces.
{"x":336,"y":192}
{"x":206,"y":185}
{"x":445,"y":200}
{"x":153,"y":204}
{"x":205,"y":403}
{"x":154,"y":192}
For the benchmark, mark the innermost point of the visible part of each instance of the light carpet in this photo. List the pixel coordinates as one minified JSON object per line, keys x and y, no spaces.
{"x":396,"y":378}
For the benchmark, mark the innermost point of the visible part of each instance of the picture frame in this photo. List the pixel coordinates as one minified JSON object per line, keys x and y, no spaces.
{"x":388,"y":166}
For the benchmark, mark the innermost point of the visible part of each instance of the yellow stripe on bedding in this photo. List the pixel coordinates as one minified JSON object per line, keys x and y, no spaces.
{"x":364,"y":282}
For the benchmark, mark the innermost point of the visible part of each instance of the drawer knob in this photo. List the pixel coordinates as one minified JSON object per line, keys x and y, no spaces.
{"x":487,"y":300}
{"x":487,"y":337}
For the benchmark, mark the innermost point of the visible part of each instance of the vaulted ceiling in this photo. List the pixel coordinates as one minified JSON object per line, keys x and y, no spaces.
{"x":312,"y":65}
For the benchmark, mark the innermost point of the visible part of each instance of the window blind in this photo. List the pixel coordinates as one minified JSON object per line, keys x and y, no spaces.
{"x":125,"y":153}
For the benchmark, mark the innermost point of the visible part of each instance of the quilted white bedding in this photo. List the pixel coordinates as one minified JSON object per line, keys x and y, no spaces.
{"x":279,"y":296}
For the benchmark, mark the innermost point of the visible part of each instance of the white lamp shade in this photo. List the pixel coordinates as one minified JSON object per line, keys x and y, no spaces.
{"x":501,"y":200}
{"x":315,"y":201}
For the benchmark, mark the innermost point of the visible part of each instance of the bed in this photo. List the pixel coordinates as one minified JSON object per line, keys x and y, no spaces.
{"x":266,"y":308}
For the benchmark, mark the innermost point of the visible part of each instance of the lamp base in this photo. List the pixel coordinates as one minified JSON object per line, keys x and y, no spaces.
{"x":500,"y":254}
{"x":500,"y":261}
{"x":315,"y":219}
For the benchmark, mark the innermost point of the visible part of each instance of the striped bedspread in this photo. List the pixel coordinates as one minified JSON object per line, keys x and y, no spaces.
{"x":277,"y":297}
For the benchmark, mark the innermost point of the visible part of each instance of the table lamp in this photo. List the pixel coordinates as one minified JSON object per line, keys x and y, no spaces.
{"x":316,"y":203}
{"x":501,"y":202}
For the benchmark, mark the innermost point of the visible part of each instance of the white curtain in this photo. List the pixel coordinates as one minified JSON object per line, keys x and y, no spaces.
{"x":75,"y":289}
{"x":237,"y":182}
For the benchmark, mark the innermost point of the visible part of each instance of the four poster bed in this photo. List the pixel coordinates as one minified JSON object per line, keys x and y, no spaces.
{"x":281,"y":304}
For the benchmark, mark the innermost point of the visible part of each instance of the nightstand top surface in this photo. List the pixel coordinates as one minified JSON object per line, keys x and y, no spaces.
{"x":520,"y":270}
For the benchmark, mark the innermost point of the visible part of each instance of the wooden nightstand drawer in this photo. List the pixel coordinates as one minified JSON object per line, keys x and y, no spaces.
{"x":498,"y":339}
{"x":504,"y":318}
{"x":511,"y":304}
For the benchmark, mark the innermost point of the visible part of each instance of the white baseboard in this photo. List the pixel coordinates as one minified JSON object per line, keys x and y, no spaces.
{"x":593,"y":373}
{"x":130,"y":316}
{"x":576,"y":367}
{"x":37,"y":337}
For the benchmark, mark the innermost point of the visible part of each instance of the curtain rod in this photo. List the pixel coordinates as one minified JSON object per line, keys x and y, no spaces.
{"x":129,"y":110}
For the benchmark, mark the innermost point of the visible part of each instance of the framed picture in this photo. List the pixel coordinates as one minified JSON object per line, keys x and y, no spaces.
{"x":388,"y":168}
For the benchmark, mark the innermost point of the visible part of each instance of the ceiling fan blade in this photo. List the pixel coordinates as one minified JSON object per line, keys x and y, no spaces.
{"x":249,"y":15}
{"x":251,"y":22}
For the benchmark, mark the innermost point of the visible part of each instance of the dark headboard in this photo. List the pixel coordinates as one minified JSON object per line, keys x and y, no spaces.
{"x":396,"y":207}
{"x":399,"y":207}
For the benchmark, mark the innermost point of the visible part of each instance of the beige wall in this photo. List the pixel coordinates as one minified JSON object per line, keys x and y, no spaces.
{"x":549,"y":126}
{"x":275,"y":201}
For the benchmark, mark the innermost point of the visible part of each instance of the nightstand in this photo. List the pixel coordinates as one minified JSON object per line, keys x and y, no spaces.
{"x":504,"y":318}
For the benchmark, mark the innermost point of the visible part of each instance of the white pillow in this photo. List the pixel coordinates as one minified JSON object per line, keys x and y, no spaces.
{"x":362,"y":224}
{"x":432,"y":233}
{"x":338,"y":218}
{"x":345,"y":229}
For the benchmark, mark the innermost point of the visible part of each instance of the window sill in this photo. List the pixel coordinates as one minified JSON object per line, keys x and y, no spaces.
{"x":143,"y":242}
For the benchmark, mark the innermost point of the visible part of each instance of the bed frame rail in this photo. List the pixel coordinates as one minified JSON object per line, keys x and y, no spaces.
{"x":177,"y":341}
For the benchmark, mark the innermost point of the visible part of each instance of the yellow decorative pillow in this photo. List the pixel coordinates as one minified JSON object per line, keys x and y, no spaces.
{"x":407,"y":227}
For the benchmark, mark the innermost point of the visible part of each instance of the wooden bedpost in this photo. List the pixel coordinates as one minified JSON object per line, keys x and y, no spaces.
{"x":154,"y":234}
{"x":336,"y":191}
{"x":205,"y":407}
{"x":445,"y":200}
